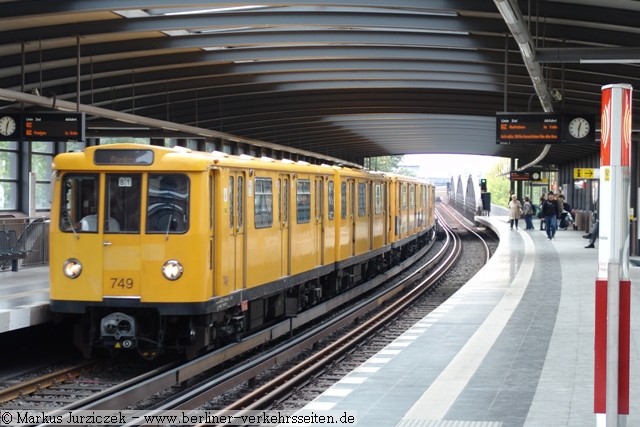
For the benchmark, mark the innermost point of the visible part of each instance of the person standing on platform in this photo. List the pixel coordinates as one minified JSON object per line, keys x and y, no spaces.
{"x":540,"y":215}
{"x":528,"y":213}
{"x":593,"y":234}
{"x":565,"y":216}
{"x":515,"y":210}
{"x":550,"y":214}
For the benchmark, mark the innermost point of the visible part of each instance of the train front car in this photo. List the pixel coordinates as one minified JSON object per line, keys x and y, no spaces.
{"x":127,"y":247}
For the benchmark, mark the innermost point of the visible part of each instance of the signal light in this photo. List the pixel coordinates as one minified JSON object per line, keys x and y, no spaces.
{"x":483,"y":185}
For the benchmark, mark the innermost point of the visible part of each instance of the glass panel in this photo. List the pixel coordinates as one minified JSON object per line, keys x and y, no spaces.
{"x":168,"y":203}
{"x":319,"y":193}
{"x":303,"y":201}
{"x":75,"y":146}
{"x":43,"y":191}
{"x":404,"y":196}
{"x":8,"y":145}
{"x":378,"y":201}
{"x":122,"y":204}
{"x":285,"y":201}
{"x":362,"y":199}
{"x":412,"y":196}
{"x":8,"y":178}
{"x":263,"y":203}
{"x":232,"y":201}
{"x":240,"y":199}
{"x":42,"y":147}
{"x":79,"y":207}
{"x":343,"y":199}
{"x":41,"y":165}
{"x":331,"y":200}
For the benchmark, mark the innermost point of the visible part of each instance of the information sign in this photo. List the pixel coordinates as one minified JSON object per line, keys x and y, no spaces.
{"x":545,"y":128}
{"x":67,"y":127}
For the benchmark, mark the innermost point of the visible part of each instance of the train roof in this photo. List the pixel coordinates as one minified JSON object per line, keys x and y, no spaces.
{"x":125,"y":156}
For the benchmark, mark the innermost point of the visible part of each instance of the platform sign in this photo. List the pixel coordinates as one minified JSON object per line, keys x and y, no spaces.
{"x":545,"y":128}
{"x":528,"y":128}
{"x":612,"y":292}
{"x":586,"y":173}
{"x":64,"y":127}
{"x":525,"y":176}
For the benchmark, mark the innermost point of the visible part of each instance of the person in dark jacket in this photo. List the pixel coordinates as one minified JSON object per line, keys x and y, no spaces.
{"x":550,"y":214}
{"x":564,"y":214}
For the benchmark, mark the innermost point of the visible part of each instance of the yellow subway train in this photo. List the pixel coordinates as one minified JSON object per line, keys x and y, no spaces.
{"x":156,"y":248}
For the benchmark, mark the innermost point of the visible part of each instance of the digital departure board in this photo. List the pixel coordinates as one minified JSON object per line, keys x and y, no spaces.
{"x":68,"y":127}
{"x":546,"y":128}
{"x":528,"y":128}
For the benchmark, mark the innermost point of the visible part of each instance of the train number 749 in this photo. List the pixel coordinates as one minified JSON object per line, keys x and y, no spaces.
{"x":121,"y":282}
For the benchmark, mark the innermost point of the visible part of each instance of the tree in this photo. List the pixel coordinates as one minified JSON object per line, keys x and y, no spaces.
{"x":498,"y":184}
{"x":388,"y":164}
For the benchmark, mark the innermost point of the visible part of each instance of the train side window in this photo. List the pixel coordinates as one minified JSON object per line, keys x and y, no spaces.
{"x":263,"y":203}
{"x":412,"y":196}
{"x":319,"y":199}
{"x":404,"y":196}
{"x":122,"y":204}
{"x":362,"y":199}
{"x":168,"y":203}
{"x":330,"y":200}
{"x":285,"y":201}
{"x":232,"y":201}
{"x":303,"y":201}
{"x":240,"y":199}
{"x":378,"y":199}
{"x":79,"y":207}
{"x":343,"y":200}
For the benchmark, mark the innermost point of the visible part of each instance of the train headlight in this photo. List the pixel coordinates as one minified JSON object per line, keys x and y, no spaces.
{"x":72,"y":268}
{"x":172,"y":269}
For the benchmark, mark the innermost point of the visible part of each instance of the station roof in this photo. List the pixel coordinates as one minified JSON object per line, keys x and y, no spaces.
{"x":347,"y":78}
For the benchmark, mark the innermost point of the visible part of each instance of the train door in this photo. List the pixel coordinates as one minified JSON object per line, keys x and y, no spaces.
{"x":237,"y":187}
{"x":212,"y":227}
{"x":352,"y":215}
{"x":319,"y":220}
{"x":120,"y":227}
{"x":285,"y":242}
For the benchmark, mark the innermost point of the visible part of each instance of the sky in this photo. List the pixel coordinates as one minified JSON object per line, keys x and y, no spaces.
{"x":448,"y":165}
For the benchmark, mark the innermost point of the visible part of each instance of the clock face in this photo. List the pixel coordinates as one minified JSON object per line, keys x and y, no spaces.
{"x":579,"y":127}
{"x":7,"y":125}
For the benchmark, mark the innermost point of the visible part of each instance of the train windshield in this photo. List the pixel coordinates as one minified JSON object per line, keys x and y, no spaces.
{"x":168,"y":203}
{"x":82,"y":211}
{"x":79,"y":207}
{"x":122,"y":203}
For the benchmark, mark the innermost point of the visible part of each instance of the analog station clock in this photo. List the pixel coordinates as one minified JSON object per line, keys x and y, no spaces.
{"x":7,"y":126}
{"x":579,"y":127}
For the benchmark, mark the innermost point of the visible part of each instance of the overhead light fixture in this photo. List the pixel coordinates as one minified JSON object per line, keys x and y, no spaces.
{"x":610,"y":61}
{"x":507,"y":12}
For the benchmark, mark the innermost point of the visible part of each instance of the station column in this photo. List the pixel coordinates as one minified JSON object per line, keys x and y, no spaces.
{"x":613,"y":287}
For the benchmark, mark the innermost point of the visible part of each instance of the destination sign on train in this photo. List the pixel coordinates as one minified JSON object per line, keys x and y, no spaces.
{"x":67,"y":127}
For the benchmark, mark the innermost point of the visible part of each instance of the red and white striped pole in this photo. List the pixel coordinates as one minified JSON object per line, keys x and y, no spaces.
{"x":613,"y":287}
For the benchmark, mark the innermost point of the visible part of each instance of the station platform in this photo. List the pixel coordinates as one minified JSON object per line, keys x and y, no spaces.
{"x":513,"y":347}
{"x":24,"y":298}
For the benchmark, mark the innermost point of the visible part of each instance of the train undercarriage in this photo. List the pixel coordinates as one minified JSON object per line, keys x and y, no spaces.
{"x":151,"y":334}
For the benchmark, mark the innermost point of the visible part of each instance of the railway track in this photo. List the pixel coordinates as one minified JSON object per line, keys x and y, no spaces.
{"x":264,"y":380}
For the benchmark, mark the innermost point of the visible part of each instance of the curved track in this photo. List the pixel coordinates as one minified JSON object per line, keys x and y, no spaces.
{"x":388,"y":303}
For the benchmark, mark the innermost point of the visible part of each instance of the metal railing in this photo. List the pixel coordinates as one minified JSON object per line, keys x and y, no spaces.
{"x":32,"y":237}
